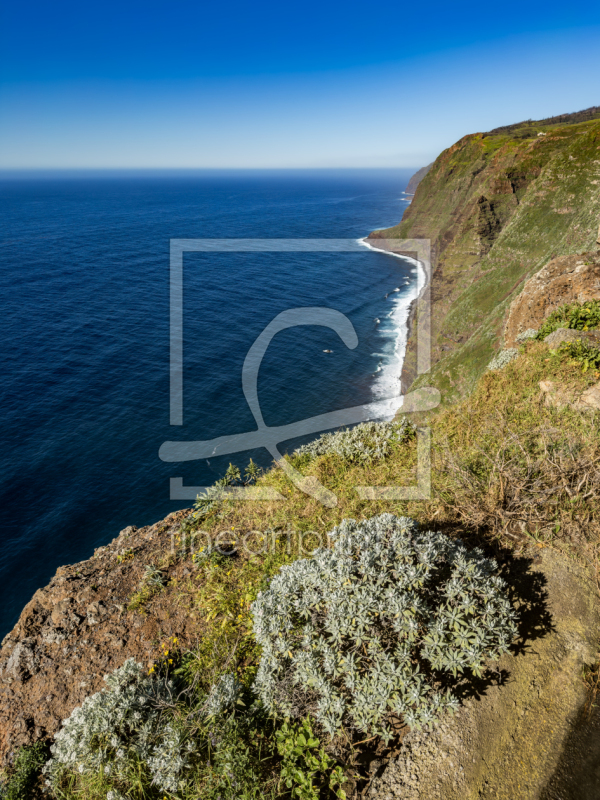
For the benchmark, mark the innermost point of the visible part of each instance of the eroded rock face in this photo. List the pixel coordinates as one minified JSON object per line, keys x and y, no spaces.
{"x":527,"y":736}
{"x":565,"y":279}
{"x":78,"y":628}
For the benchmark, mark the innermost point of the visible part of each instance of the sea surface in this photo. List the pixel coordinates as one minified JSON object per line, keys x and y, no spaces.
{"x":84,"y":331}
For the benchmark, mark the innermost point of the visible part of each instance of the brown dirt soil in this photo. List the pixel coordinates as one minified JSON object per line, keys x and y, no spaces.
{"x":530,"y":734}
{"x":565,"y":279}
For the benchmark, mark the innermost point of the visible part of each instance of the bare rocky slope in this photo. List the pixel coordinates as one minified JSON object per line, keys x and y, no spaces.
{"x":79,"y":628}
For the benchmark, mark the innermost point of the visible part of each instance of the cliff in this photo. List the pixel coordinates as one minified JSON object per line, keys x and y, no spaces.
{"x":497,"y":207}
{"x":507,"y":213}
{"x":417,"y":178}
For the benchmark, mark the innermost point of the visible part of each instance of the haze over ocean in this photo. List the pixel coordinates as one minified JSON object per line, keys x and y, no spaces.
{"x":85,"y":362}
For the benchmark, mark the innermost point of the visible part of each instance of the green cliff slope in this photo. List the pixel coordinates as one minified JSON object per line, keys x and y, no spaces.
{"x":496,"y":208}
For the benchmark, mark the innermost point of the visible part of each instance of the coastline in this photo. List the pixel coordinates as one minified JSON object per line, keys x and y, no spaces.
{"x":405,"y":320}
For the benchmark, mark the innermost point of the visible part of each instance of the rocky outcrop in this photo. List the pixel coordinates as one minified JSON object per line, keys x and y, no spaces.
{"x":559,"y":396}
{"x":562,"y":335}
{"x":565,"y":279}
{"x":79,"y":627}
{"x":531,"y":735}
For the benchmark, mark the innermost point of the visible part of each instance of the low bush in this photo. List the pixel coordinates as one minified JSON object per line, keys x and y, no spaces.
{"x":581,"y":353}
{"x":503,"y":358}
{"x":147,"y":738}
{"x":366,"y":442}
{"x":579,"y":316}
{"x":373,"y":627}
{"x":119,"y":738}
{"x":524,"y":336}
{"x":25,"y":773}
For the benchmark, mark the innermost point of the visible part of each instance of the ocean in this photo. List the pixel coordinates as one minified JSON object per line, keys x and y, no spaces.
{"x":84,"y":278}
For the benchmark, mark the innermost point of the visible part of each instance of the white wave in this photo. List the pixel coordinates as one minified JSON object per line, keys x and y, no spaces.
{"x":387,"y":383}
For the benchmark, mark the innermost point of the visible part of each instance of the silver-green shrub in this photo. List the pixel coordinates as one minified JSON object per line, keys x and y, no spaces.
{"x":153,"y":577}
{"x":373,"y":626}
{"x":530,"y":333}
{"x":503,"y":358}
{"x":223,"y":695}
{"x":363,"y":443}
{"x":120,"y":726}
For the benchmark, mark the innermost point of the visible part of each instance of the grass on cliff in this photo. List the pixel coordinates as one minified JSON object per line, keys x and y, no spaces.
{"x":507,"y":472}
{"x":542,"y":200}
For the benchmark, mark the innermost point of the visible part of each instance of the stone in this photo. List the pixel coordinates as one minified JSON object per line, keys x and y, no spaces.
{"x":22,"y":662}
{"x":560,"y":397}
{"x":95,"y":612}
{"x":556,"y":396}
{"x":561,"y":335}
{"x":591,"y":397}
{"x":60,"y":612}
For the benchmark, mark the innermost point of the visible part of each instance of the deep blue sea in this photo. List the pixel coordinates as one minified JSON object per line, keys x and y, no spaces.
{"x":84,"y":281}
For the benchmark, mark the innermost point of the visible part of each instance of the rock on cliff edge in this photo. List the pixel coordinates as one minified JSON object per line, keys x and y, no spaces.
{"x":566,"y":279}
{"x":79,"y":628}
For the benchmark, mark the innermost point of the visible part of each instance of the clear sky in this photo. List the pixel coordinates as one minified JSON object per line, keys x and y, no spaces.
{"x":312,"y":84}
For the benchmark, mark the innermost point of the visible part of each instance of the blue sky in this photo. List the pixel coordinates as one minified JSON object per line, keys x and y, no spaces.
{"x":317,"y":84}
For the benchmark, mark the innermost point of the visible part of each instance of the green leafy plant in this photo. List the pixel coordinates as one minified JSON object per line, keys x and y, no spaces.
{"x":25,"y":772}
{"x":578,"y":316}
{"x":306,"y":768}
{"x":125,"y":555}
{"x":152,"y":582}
{"x":252,"y":472}
{"x":581,"y":353}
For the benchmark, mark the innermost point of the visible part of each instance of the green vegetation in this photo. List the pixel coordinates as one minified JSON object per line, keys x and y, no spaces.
{"x":125,"y":555}
{"x":582,"y":353}
{"x":507,"y":472}
{"x":152,"y":582}
{"x":159,"y":735}
{"x":23,"y":778}
{"x":368,"y":630}
{"x":305,"y":766}
{"x":578,"y":316}
{"x":496,"y":208}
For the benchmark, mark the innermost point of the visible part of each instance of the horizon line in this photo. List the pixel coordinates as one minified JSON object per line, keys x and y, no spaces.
{"x":4,"y":170}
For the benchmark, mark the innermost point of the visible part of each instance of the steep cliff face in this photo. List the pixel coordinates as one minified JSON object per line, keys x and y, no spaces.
{"x":497,"y":208}
{"x":417,"y":178}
